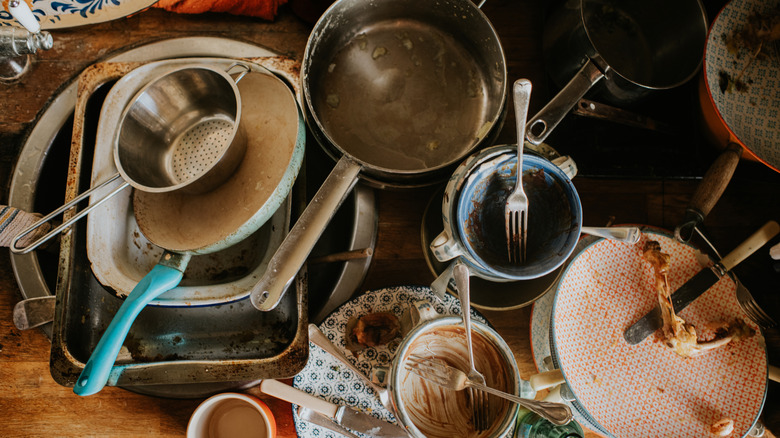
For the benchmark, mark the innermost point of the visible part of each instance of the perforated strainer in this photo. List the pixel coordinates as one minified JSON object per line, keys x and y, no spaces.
{"x":180,"y":132}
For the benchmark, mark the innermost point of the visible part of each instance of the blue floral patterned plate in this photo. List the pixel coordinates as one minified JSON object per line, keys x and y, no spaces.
{"x":60,"y":14}
{"x":327,"y":378}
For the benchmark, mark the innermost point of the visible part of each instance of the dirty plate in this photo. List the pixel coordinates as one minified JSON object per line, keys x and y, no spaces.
{"x":540,"y":330}
{"x":327,"y":378}
{"x":61,"y":14}
{"x":744,"y":88}
{"x":646,"y":390}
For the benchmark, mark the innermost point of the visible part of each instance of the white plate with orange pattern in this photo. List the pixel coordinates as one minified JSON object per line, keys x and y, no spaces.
{"x":646,"y":390}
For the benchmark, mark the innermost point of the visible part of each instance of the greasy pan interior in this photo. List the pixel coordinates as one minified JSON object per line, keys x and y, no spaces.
{"x":404,"y":87}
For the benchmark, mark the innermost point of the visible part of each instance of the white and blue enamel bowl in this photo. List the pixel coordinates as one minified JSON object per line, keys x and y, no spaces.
{"x":473,"y":215}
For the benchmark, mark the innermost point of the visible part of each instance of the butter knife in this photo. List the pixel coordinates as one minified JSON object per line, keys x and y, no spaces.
{"x":701,"y":282}
{"x":313,"y":417}
{"x":319,"y":339}
{"x":344,"y":416}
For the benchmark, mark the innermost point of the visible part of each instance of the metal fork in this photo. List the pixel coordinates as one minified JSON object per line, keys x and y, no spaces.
{"x":480,"y":404}
{"x":516,"y":209}
{"x":751,"y":308}
{"x":448,"y":377}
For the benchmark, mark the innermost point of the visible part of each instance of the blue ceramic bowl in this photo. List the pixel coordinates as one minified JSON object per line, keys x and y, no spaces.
{"x":554,"y":215}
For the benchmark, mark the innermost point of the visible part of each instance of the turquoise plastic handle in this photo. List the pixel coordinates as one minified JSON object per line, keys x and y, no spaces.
{"x":95,"y":374}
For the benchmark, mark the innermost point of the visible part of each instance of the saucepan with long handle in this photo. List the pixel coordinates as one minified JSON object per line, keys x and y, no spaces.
{"x":630,"y":48}
{"x":399,"y":91}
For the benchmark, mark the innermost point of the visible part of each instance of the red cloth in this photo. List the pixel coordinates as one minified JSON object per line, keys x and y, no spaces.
{"x":265,"y":9}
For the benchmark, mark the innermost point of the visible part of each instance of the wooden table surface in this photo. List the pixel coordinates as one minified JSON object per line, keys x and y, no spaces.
{"x":32,"y":404}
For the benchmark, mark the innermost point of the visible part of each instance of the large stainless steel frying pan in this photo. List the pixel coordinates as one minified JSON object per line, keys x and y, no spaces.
{"x":401,"y":91}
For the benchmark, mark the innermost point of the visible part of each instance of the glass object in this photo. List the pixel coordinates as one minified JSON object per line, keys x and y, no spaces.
{"x":530,"y":425}
{"x":17,"y":46}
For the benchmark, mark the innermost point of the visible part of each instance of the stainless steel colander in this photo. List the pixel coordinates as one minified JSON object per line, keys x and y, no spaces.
{"x":181,"y":132}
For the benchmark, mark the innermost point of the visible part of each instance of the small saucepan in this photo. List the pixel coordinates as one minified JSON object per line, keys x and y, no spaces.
{"x":400,"y":91}
{"x":636,"y":46}
{"x":187,"y":224}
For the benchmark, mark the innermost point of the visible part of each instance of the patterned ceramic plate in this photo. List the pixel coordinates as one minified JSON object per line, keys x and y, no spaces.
{"x":60,"y":14}
{"x":750,"y":112}
{"x":327,"y":378}
{"x":540,"y":329}
{"x":646,"y":390}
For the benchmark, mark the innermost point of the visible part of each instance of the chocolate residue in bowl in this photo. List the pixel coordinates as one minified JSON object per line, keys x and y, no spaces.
{"x":442,"y":413}
{"x":549,"y":217}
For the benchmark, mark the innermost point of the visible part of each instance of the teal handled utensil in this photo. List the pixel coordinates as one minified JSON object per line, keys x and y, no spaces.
{"x":163,"y":277}
{"x":192,"y":229}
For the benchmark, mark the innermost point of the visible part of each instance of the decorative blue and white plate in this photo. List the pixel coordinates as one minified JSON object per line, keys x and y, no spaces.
{"x":327,"y":378}
{"x":60,"y":14}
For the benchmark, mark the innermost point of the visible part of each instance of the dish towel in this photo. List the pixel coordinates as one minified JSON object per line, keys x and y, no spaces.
{"x":265,"y":9}
{"x":13,"y":221}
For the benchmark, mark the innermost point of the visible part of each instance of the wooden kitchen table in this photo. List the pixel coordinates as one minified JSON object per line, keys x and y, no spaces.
{"x":32,"y":404}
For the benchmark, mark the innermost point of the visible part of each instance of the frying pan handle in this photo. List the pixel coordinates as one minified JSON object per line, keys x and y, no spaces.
{"x":297,"y":246}
{"x":160,"y":279}
{"x":543,"y":123}
{"x":709,"y":191}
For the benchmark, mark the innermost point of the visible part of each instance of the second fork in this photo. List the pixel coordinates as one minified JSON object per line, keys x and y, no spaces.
{"x":480,"y":403}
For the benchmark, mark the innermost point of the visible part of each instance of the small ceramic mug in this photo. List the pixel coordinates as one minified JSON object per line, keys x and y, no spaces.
{"x":232,"y":415}
{"x":473,"y":215}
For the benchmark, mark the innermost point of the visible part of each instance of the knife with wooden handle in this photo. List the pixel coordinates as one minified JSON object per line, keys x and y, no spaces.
{"x":701,"y":282}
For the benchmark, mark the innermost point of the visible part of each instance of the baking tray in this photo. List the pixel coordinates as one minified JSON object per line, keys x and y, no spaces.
{"x":43,"y":164}
{"x":230,"y":342}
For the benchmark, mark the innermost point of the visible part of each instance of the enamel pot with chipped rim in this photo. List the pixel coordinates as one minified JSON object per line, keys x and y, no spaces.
{"x":399,"y":92}
{"x":738,"y":97}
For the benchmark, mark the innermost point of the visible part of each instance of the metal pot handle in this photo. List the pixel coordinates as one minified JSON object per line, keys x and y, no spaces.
{"x":297,"y":246}
{"x":241,"y":75}
{"x":543,"y":123}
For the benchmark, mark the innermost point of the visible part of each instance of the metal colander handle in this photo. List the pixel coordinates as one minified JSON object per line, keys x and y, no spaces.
{"x":57,"y":230}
